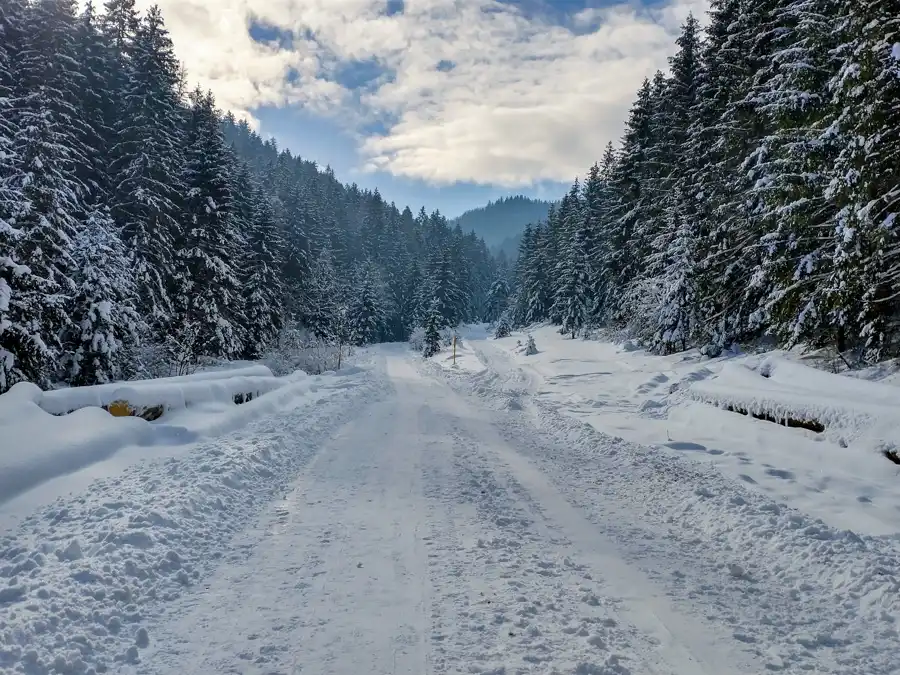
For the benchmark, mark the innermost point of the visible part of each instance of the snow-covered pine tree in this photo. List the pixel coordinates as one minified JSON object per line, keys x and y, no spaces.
{"x":601,"y":205}
{"x":432,"y":325}
{"x":533,"y":295}
{"x":676,"y":321}
{"x":441,"y":285}
{"x":45,"y":149}
{"x":147,"y":160}
{"x":12,"y":42}
{"x":293,"y":216}
{"x":498,"y":298}
{"x":795,"y":257}
{"x":503,"y":328}
{"x":94,"y":93}
{"x":573,"y":268}
{"x":865,"y":181}
{"x":364,"y":309}
{"x":712,"y":150}
{"x":105,"y":328}
{"x":323,"y":298}
{"x":741,"y":177}
{"x":212,"y":299}
{"x":624,"y":259}
{"x":262,"y":283}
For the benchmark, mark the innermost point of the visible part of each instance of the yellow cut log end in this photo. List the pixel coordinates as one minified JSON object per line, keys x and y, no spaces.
{"x":120,"y":409}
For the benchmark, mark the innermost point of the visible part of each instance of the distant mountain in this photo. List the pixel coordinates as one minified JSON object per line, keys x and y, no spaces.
{"x":501,"y":223}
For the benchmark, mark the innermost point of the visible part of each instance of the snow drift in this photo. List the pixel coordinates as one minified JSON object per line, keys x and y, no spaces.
{"x":782,"y":391}
{"x":52,"y":433}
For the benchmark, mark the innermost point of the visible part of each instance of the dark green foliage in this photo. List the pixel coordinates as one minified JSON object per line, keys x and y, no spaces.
{"x":138,"y":225}
{"x":432,"y":326}
{"x":756,"y":192}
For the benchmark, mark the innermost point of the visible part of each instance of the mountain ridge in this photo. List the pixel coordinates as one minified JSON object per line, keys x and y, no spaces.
{"x":501,"y":222}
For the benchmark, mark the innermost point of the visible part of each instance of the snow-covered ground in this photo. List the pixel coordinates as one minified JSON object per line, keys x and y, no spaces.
{"x":672,"y":404}
{"x":486,"y":518}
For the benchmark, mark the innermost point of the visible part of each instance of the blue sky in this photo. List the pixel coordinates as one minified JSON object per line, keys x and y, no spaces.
{"x":441,"y":103}
{"x":322,"y":139}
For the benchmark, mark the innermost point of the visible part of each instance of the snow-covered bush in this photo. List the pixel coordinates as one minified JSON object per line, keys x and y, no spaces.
{"x":530,"y":346}
{"x":298,"y":349}
{"x":417,"y":339}
{"x":640,"y":307}
{"x":176,"y":355}
{"x":503,"y":328}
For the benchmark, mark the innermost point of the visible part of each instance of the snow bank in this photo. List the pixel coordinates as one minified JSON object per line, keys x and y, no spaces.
{"x":40,"y":442}
{"x":37,"y":446}
{"x":790,"y":393}
{"x":677,"y":405}
{"x":171,"y":392}
{"x":83,"y":580}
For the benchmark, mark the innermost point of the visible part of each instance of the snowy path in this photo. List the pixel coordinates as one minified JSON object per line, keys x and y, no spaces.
{"x":419,"y":541}
{"x":444,"y":522}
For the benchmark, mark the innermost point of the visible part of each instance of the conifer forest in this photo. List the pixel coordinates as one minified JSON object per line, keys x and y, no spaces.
{"x":137,"y":222}
{"x":754,"y":194}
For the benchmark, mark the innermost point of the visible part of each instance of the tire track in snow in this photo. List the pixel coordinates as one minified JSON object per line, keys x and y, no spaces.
{"x":543,"y":539}
{"x":85,"y":580}
{"x":801,"y":596}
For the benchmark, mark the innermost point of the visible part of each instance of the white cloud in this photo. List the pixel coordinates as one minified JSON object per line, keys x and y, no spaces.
{"x":525,"y":100}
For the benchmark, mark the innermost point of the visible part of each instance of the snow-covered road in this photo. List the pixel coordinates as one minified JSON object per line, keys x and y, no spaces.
{"x":445,"y":522}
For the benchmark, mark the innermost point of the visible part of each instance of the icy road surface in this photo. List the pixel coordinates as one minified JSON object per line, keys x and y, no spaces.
{"x":429,"y":521}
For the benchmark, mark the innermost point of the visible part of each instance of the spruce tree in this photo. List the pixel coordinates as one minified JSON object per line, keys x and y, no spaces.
{"x":498,"y":299}
{"x":322,"y":301}
{"x":46,"y":153}
{"x":106,"y":328}
{"x":212,"y":299}
{"x":261,"y":282}
{"x":147,"y":166}
{"x":865,"y":182}
{"x":432,"y":326}
{"x":364,"y":310}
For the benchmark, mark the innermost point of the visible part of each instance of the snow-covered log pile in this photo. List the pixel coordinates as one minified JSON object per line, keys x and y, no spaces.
{"x":44,"y":434}
{"x":152,"y":398}
{"x":788,"y":393}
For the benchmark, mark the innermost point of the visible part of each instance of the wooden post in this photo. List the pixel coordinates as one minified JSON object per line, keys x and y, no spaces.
{"x":454,"y":350}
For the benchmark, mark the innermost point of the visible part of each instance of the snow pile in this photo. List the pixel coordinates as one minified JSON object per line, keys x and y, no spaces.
{"x":840,"y":476}
{"x":36,"y":446}
{"x":170,"y":392}
{"x":39,"y":442}
{"x":82,"y":581}
{"x":780,"y":390}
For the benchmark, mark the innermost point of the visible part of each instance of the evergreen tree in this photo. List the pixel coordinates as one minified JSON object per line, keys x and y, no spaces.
{"x":105,"y":326}
{"x":147,"y":165}
{"x":432,"y":326}
{"x":262,"y":289}
{"x":364,"y":310}
{"x":573,"y":268}
{"x":323,"y":298}
{"x":865,"y":181}
{"x":45,"y":148}
{"x":212,"y":298}
{"x":498,"y":299}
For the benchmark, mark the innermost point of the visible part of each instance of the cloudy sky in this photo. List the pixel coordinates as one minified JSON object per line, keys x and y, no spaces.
{"x":446,"y":103}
